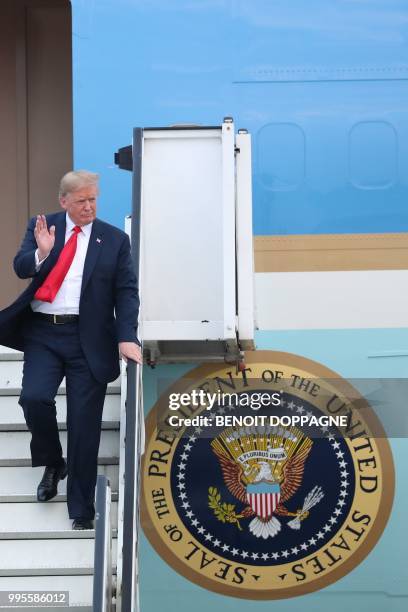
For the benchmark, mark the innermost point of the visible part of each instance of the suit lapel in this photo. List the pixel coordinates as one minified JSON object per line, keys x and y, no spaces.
{"x":92,"y":254}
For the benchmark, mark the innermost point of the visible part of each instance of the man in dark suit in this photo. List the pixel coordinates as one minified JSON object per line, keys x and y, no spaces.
{"x":79,"y":309}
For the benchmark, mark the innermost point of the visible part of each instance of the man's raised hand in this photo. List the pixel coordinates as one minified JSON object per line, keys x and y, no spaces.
{"x":45,"y":239}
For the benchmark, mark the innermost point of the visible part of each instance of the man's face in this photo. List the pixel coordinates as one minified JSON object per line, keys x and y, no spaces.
{"x":81,"y":204}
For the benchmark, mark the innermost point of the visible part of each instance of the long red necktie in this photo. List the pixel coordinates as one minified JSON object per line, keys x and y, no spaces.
{"x":54,"y":280}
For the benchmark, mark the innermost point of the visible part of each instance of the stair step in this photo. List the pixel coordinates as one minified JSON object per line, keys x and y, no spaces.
{"x":55,"y":608}
{"x":35,"y":516}
{"x":28,"y":498}
{"x":71,"y":556}
{"x":77,"y":608}
{"x":65,"y":534}
{"x":15,"y":445}
{"x":8,"y":354}
{"x":62,"y":426}
{"x":80,"y":588}
{"x":21,"y":481}
{"x":27,"y":462}
{"x":12,"y":416}
{"x":11,"y":373}
{"x":15,"y":391}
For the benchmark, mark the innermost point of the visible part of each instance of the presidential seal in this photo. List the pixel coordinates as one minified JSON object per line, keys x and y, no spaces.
{"x":265,"y":500}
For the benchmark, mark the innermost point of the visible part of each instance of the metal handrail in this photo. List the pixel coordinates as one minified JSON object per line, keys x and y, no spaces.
{"x":133,"y":449}
{"x":102,"y":582}
{"x":127,"y":596}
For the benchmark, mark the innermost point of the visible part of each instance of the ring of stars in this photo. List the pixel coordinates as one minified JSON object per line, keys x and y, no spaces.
{"x":282,"y":554}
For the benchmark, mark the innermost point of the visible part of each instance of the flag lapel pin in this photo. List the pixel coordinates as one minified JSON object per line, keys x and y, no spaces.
{"x":98,"y":240}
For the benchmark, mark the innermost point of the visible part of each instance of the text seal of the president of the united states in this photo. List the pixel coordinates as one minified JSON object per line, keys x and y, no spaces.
{"x":259,"y":510}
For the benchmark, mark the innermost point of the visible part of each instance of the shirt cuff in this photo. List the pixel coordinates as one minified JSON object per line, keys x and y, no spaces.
{"x":38,"y":263}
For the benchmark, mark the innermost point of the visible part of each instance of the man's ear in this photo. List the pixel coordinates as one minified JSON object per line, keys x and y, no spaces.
{"x":63,"y":202}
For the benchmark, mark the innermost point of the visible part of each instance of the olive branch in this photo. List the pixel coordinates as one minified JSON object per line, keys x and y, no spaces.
{"x":223,"y":511}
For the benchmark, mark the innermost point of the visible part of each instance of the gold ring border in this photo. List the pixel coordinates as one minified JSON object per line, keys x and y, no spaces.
{"x":380,"y":521}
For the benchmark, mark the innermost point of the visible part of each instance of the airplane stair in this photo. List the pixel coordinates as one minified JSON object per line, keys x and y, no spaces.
{"x":39,"y":551}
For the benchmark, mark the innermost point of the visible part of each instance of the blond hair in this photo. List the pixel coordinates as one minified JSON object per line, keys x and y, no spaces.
{"x":74,"y":180}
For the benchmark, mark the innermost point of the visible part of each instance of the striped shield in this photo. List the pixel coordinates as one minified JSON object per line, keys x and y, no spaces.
{"x":263,"y":497}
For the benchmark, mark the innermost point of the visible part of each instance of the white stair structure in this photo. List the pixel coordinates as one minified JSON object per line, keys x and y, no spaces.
{"x":193,"y":183}
{"x":39,"y":551}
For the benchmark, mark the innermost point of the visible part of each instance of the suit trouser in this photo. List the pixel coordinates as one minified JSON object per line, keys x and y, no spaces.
{"x":52,"y":352}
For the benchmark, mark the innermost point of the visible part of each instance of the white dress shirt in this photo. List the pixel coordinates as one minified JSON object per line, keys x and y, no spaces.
{"x":67,"y":299}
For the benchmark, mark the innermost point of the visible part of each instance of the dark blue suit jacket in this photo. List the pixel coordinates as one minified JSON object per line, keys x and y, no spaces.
{"x":109,"y":302}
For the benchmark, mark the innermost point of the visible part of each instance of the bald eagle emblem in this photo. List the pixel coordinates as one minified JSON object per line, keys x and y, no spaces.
{"x":262,"y":469}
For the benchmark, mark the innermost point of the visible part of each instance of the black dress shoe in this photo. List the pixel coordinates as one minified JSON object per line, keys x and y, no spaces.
{"x":80,"y":523}
{"x":47,"y":489}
